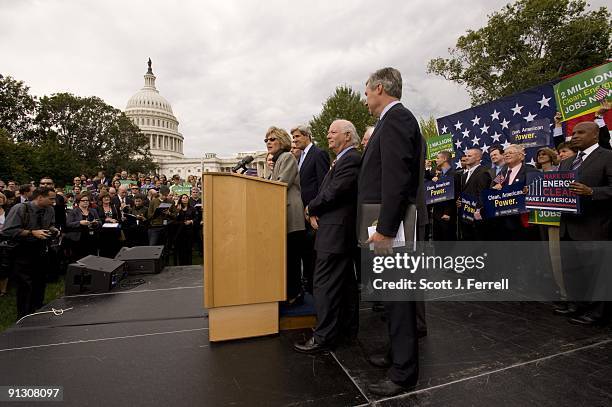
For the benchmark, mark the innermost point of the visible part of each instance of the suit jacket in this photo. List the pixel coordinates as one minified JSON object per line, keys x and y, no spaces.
{"x":521,"y":177}
{"x":392,"y":168}
{"x":286,"y":170}
{"x":313,"y":170}
{"x":117,"y":201}
{"x":73,"y":227}
{"x":595,"y":219}
{"x":447,"y":207}
{"x":479,"y":181}
{"x":508,"y":225}
{"x":336,"y":206}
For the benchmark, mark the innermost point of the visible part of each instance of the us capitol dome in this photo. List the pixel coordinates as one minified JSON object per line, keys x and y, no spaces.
{"x":153,"y":114}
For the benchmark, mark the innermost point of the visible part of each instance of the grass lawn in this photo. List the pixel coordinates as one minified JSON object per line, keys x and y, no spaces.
{"x":8,"y":303}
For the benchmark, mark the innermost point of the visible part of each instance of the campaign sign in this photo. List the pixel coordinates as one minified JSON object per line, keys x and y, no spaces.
{"x":576,"y":95}
{"x":545,"y":217}
{"x":510,"y":200}
{"x":535,"y":133}
{"x":551,"y":191}
{"x":467,"y":208}
{"x":437,"y":144}
{"x":440,"y":190}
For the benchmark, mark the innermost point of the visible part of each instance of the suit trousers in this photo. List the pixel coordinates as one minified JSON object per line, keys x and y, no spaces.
{"x":294,"y":243}
{"x":336,"y":297}
{"x":308,"y":256}
{"x":30,"y":275}
{"x":402,"y":326}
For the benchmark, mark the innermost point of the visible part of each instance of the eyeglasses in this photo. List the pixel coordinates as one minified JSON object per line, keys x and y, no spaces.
{"x":84,"y":200}
{"x":271,"y":139}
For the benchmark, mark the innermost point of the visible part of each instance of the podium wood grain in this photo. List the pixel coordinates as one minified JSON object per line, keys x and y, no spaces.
{"x":244,"y":252}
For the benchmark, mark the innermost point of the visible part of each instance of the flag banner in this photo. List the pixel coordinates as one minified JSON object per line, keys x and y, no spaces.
{"x":545,"y":217}
{"x":551,"y":191}
{"x":437,"y":144}
{"x":510,"y":200}
{"x":468,"y":207}
{"x":577,"y":95}
{"x":492,"y":123}
{"x":440,"y":190}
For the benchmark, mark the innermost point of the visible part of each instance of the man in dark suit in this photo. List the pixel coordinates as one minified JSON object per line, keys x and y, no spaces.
{"x":102,"y":180}
{"x":391,"y":174}
{"x":333,"y":214}
{"x":122,"y":200}
{"x":514,"y":172}
{"x":474,"y":179}
{"x":593,"y":166}
{"x":313,"y":165}
{"x":496,"y":154}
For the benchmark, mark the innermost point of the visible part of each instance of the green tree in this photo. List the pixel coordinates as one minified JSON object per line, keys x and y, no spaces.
{"x":17,"y":107}
{"x":16,"y":159}
{"x":93,"y":133}
{"x":429,"y":127}
{"x":525,"y":44}
{"x":346,"y":104}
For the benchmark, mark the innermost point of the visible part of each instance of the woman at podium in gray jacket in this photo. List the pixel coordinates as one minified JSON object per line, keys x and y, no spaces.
{"x":278,"y":143}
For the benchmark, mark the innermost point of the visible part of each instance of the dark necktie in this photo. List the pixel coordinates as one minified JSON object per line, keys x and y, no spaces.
{"x":577,"y":161}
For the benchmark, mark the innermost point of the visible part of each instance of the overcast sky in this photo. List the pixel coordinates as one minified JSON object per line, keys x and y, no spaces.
{"x":231,"y":69}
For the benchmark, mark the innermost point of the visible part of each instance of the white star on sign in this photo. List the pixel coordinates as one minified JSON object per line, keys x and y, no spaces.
{"x":496,"y":137}
{"x":505,"y":124}
{"x":475,"y":120}
{"x":458,"y":125}
{"x":505,"y":144}
{"x":484,"y":129}
{"x":458,"y":165}
{"x":532,"y":162}
{"x":485,"y":148}
{"x":544,"y":102}
{"x":475,"y":141}
{"x":444,"y":129}
{"x":495,"y":115}
{"x":530,"y":117}
{"x":466,"y":133}
{"x":516,"y":109}
{"x":465,"y":151}
{"x":458,"y":144}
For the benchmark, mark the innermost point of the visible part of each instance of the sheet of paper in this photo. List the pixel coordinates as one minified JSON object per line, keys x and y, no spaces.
{"x":398,"y":241}
{"x":111,"y":225}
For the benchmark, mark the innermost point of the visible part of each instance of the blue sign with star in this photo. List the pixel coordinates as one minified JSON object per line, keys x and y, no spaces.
{"x":493,"y":123}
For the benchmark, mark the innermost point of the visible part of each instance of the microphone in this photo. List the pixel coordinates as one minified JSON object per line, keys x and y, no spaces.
{"x":242,"y":164}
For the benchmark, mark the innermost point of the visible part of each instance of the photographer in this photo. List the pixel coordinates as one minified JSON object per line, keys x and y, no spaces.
{"x":31,"y":226}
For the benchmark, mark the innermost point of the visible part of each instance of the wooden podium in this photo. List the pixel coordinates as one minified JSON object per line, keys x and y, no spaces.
{"x":244,"y":254}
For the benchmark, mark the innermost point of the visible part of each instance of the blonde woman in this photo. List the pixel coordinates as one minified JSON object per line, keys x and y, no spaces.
{"x":278,"y":143}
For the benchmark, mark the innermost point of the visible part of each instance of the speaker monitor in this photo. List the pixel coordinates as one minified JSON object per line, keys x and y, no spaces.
{"x":93,"y":274}
{"x":142,"y":259}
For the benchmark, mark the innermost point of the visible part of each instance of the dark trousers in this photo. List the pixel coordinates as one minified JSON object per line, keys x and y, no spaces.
{"x":30,"y":276}
{"x":183,"y":245}
{"x":404,"y":349}
{"x":336,"y":297}
{"x":294,"y":266}
{"x":308,"y":256}
{"x":474,"y":231}
{"x":444,"y":230}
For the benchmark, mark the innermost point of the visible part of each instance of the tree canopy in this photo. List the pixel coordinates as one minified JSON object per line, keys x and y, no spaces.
{"x":63,"y":135}
{"x":346,"y":104}
{"x":527,"y":43}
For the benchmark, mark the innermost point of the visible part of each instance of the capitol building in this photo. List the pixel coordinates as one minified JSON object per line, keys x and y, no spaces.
{"x":153,"y":114}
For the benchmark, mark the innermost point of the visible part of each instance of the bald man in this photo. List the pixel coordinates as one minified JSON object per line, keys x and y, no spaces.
{"x":593,"y":166}
{"x":474,"y":179}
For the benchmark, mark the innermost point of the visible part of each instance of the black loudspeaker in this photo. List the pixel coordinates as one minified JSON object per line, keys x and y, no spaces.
{"x":142,"y":259}
{"x":93,"y":274}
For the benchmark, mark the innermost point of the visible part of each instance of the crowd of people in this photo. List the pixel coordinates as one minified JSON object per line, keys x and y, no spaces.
{"x":93,"y":216}
{"x":325,"y":203}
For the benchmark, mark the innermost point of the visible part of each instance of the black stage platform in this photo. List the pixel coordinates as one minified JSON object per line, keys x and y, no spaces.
{"x":147,"y":345}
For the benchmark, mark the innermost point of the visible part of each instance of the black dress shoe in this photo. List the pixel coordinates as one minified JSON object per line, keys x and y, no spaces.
{"x":585,"y":320}
{"x":380,"y":360}
{"x":388,"y":388}
{"x":565,"y":309}
{"x":310,"y":347}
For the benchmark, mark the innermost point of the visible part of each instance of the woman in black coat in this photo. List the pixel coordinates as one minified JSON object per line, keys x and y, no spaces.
{"x":81,"y":232}
{"x":109,"y":237}
{"x":183,"y":240}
